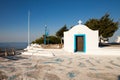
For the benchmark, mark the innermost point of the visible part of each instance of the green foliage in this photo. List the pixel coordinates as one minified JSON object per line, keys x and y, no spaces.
{"x":105,"y":25}
{"x":53,"y":40}
{"x":49,"y":40}
{"x":39,"y":40}
{"x":93,"y":24}
{"x":60,"y":32}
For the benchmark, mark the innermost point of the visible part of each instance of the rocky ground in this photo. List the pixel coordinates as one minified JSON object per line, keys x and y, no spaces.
{"x":62,"y":67}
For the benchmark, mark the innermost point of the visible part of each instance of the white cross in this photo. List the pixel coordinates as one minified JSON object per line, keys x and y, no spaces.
{"x":79,"y":22}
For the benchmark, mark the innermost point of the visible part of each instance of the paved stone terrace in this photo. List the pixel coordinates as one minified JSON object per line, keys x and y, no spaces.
{"x":64,"y":67}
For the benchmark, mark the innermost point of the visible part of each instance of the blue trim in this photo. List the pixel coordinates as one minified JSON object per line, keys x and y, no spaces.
{"x":84,"y":36}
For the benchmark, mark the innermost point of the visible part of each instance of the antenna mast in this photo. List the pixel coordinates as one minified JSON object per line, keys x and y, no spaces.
{"x":28,"y":28}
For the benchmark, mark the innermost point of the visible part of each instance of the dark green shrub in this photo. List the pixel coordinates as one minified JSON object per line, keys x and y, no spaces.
{"x":53,"y":40}
{"x":49,"y":40}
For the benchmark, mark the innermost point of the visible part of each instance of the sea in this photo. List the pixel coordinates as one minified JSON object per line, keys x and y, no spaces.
{"x":15,"y":45}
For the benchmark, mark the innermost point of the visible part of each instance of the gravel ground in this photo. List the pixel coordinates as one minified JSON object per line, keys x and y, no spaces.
{"x":60,"y":67}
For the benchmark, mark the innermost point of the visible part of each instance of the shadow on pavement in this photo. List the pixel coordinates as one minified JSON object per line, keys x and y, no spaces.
{"x":14,"y":57}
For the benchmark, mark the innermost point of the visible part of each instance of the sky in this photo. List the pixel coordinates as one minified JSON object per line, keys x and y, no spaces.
{"x":52,"y":13}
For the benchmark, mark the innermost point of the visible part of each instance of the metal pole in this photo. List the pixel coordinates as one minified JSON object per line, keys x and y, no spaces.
{"x":28,"y":28}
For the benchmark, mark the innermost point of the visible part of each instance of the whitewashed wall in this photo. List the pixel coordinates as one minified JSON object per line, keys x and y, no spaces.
{"x":91,"y":38}
{"x":118,"y":39}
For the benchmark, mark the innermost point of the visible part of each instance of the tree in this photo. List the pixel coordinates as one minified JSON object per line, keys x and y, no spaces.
{"x":39,"y":40}
{"x":105,"y":25}
{"x":60,"y":32}
{"x":49,"y":40}
{"x":93,"y":24}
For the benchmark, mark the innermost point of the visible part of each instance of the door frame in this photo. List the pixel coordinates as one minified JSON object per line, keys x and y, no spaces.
{"x":84,"y":42}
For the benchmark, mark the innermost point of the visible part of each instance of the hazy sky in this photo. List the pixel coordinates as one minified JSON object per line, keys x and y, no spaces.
{"x":53,"y":13}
